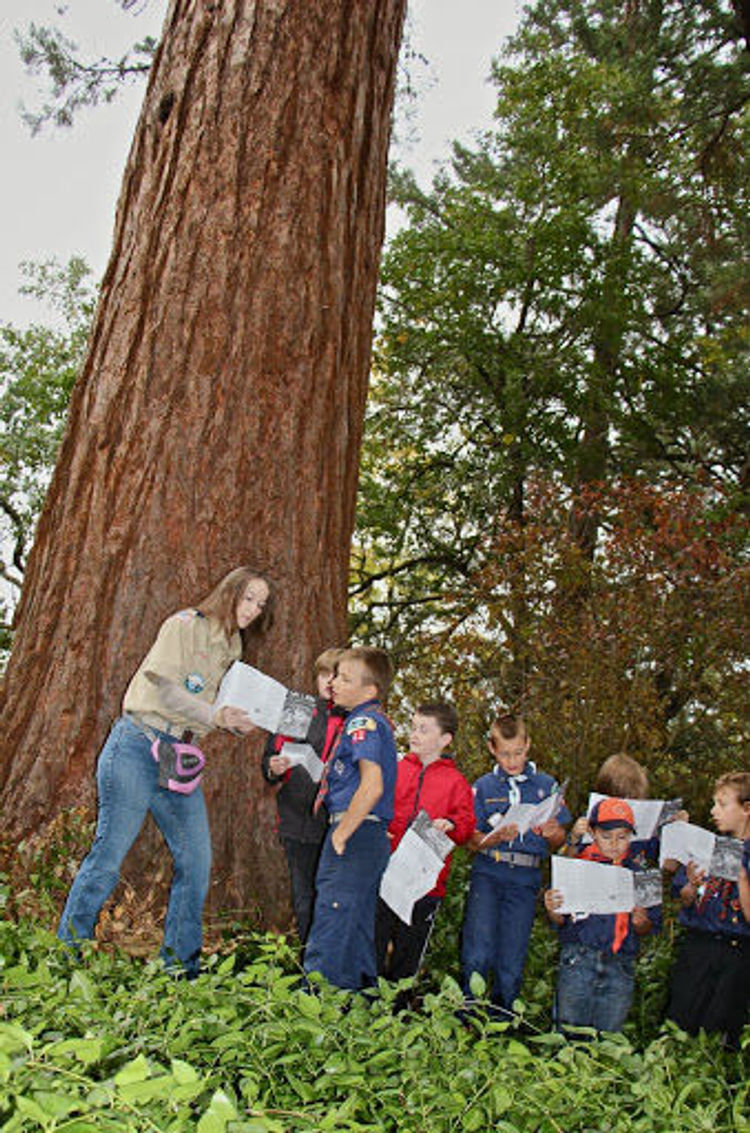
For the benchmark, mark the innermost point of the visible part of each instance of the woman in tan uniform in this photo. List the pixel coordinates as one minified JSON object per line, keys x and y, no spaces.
{"x":169,"y":701}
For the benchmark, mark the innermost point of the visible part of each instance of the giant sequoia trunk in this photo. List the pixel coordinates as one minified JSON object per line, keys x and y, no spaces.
{"x":218,"y":417}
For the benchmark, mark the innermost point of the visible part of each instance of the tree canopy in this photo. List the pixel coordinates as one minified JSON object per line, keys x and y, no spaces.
{"x":562,"y":312}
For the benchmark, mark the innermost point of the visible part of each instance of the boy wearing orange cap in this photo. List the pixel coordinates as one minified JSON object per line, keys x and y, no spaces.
{"x":597,"y":953}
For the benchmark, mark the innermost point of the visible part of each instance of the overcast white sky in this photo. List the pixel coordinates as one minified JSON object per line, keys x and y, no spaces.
{"x":59,"y":190}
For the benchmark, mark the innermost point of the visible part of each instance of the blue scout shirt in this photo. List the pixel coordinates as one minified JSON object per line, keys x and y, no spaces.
{"x":492,"y":795}
{"x":597,"y":930}
{"x":367,"y":734}
{"x":716,"y":909}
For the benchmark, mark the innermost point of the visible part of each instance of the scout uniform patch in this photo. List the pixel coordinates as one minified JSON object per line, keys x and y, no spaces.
{"x":358,"y":728}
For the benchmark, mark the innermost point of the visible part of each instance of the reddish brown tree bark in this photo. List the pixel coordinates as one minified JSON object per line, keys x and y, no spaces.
{"x":218,"y":417}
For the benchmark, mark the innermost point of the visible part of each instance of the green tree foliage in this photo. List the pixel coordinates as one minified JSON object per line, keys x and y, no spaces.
{"x":38,"y":366}
{"x":563,"y":314}
{"x":76,"y":82}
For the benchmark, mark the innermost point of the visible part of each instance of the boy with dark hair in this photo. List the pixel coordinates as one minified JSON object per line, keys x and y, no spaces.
{"x":428,"y":780}
{"x":597,"y":955}
{"x":506,"y":874}
{"x":357,"y":790}
{"x":711,"y":978}
{"x":302,"y":832}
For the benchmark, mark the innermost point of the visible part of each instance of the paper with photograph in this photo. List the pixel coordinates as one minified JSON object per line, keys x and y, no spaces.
{"x":595,"y":887}
{"x":717,"y":854}
{"x":525,"y":816}
{"x":267,"y":702}
{"x":684,"y":842}
{"x":414,"y":866}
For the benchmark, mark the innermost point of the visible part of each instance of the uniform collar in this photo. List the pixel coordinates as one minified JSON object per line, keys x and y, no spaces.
{"x":364,"y":706}
{"x":529,"y":768}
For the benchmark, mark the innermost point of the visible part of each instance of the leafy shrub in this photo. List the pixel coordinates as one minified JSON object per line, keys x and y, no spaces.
{"x":116,"y":1045}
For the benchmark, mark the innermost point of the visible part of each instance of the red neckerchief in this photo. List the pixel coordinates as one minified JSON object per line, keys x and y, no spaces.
{"x":334,"y":728}
{"x":622,"y":920}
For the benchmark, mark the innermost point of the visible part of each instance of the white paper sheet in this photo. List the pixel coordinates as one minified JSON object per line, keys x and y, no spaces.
{"x":414,"y":866}
{"x":267,"y":702}
{"x":718,"y":856}
{"x":527,"y":815}
{"x":592,"y":887}
{"x":595,"y":887}
{"x":303,"y":755}
{"x":685,"y":842}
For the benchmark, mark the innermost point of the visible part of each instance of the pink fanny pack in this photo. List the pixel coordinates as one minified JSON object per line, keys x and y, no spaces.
{"x":180,"y":765}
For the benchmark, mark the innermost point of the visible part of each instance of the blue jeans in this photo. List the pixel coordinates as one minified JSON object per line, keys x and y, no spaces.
{"x":128,"y":781}
{"x":497,"y":926}
{"x":594,"y":989}
{"x":341,"y":944}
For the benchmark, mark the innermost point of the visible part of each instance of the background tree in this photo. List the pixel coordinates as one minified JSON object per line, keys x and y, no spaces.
{"x":38,"y":366}
{"x":218,"y":415}
{"x":564,"y":307}
{"x":76,"y":82}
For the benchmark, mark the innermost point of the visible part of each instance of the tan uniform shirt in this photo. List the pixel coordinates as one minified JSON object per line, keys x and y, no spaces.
{"x":192,"y":651}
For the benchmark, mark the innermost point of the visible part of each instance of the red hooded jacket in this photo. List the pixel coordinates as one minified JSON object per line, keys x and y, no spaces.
{"x":443,"y":792}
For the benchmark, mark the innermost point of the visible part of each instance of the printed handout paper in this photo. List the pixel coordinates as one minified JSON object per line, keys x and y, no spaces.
{"x":414,"y":866}
{"x":596,"y":887}
{"x":267,"y":702}
{"x":719,"y":856}
{"x":303,"y":755}
{"x":527,"y":815}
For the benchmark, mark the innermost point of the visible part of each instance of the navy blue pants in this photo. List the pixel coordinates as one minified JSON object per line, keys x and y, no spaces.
{"x":341,"y":944}
{"x":497,"y":926}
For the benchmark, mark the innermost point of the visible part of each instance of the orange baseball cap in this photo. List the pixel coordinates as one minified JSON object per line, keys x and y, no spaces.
{"x":611,"y":813}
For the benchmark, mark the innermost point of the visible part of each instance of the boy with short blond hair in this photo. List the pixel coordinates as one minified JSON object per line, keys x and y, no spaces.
{"x":357,"y":791}
{"x":711,"y":978}
{"x":506,"y":874}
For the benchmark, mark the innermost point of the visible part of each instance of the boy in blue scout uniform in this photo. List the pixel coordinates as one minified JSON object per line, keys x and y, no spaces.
{"x":711,"y":977}
{"x":596,"y":973}
{"x":357,"y":789}
{"x":506,"y":874}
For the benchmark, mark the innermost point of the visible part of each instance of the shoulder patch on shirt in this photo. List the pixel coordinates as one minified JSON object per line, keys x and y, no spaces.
{"x":361,"y":724}
{"x":195,"y":682}
{"x":187,"y":615}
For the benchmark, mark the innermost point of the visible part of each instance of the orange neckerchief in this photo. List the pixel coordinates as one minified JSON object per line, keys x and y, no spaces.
{"x":622,"y":920}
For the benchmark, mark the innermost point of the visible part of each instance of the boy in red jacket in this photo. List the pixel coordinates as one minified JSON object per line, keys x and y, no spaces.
{"x":429,"y":780}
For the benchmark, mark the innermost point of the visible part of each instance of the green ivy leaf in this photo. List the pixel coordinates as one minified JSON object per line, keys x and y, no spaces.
{"x":135,"y":1071}
{"x":220,"y":1111}
{"x":14,"y":1038}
